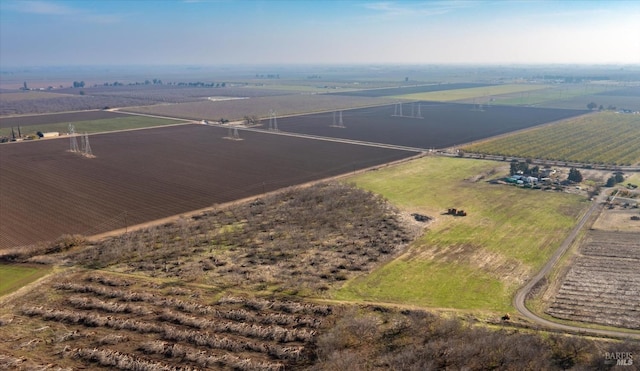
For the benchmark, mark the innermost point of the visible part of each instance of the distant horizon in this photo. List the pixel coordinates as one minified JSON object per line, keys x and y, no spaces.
{"x":351,"y":32}
{"x":328,"y":64}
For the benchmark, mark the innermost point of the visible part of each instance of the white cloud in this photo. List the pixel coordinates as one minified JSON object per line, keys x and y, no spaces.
{"x":400,"y":9}
{"x":41,"y":7}
{"x":48,"y":8}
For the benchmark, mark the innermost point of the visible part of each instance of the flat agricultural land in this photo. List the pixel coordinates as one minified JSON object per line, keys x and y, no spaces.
{"x":259,"y":106}
{"x":442,"y":124}
{"x":14,"y":276}
{"x":29,"y":95}
{"x":409,"y":91}
{"x":76,"y":99}
{"x":119,"y":122}
{"x":471,"y":262}
{"x":483,"y":93}
{"x":578,"y":98}
{"x":599,"y":138}
{"x":58,"y":118}
{"x":569,"y":96}
{"x":603,"y":284}
{"x":139,"y":176}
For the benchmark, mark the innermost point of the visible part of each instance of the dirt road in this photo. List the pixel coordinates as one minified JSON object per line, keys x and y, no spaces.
{"x":521,"y":295}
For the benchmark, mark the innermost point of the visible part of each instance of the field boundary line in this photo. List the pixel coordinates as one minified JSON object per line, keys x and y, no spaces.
{"x":328,"y":139}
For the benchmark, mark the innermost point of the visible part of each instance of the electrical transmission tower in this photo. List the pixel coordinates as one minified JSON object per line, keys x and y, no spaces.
{"x":233,"y":134}
{"x":273,"y":121}
{"x":397,"y":109}
{"x":340,"y":122}
{"x":73,"y":145}
{"x":86,"y":148}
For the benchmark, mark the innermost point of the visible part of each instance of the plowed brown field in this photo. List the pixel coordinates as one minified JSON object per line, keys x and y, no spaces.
{"x":139,"y":176}
{"x":423,"y":124}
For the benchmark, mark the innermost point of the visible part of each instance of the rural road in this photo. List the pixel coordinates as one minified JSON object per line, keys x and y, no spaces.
{"x":521,"y":295}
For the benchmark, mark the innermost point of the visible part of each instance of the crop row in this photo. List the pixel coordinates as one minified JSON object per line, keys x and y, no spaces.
{"x":607,"y":268}
{"x":288,"y":307}
{"x":273,"y":332}
{"x":612,"y":250}
{"x":167,"y":332}
{"x":614,"y":237}
{"x":604,"y":318}
{"x":612,"y":244}
{"x":603,"y":285}
{"x":92,"y":303}
{"x":182,"y":352}
{"x":122,"y":361}
{"x":604,"y":138}
{"x":288,"y":318}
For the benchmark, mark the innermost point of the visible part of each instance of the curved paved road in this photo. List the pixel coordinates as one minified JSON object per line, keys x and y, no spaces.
{"x":521,"y":295}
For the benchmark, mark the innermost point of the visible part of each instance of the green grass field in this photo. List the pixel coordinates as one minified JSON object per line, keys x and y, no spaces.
{"x":599,"y":138}
{"x":555,"y":96}
{"x":472,"y":262}
{"x":96,"y":126}
{"x":12,"y":277}
{"x":463,"y":94}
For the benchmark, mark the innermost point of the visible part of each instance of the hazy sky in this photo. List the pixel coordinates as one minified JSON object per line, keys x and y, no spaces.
{"x":206,"y":32}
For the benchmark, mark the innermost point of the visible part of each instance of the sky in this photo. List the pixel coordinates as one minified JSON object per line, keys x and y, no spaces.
{"x":219,"y":32}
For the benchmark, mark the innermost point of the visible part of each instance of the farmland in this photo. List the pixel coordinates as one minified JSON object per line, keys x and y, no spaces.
{"x":145,"y":175}
{"x":120,"y":122}
{"x":58,"y":118}
{"x":96,"y":319}
{"x":409,"y":91}
{"x":203,"y":252}
{"x":259,"y":106}
{"x":218,"y":290}
{"x":549,"y":96}
{"x":62,"y":103}
{"x":442,"y":125}
{"x":16,"y":276}
{"x":76,"y":99}
{"x":603,"y":283}
{"x":606,"y":96}
{"x":477,"y":261}
{"x":483,"y":93}
{"x":599,"y":138}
